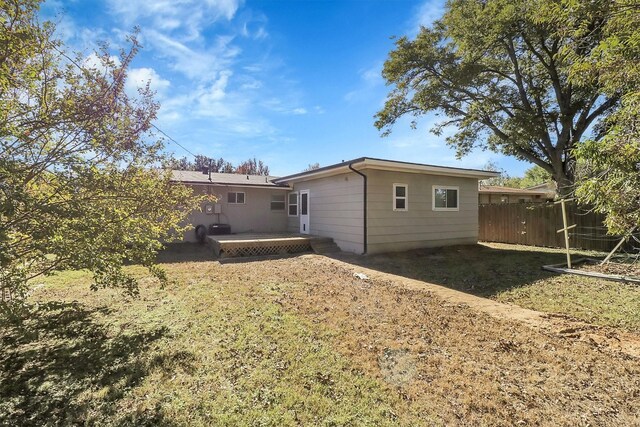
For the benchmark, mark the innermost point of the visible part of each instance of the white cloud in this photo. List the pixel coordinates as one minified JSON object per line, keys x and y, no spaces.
{"x":189,"y":16}
{"x":194,"y":63}
{"x":426,"y":13}
{"x":138,"y":78}
{"x":299,"y":111}
{"x":370,"y":81}
{"x":92,"y":61}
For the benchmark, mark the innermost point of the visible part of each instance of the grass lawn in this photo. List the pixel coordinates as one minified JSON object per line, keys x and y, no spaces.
{"x":513,"y":274}
{"x":300,"y":341}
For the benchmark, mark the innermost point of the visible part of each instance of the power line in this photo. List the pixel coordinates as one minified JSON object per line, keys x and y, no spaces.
{"x":173,"y":140}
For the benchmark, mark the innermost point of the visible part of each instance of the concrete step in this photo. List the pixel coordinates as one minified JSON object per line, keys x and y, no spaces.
{"x":324,"y":245}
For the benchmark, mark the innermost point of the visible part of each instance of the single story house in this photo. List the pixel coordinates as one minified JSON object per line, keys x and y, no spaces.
{"x":489,"y":194}
{"x":365,"y":205}
{"x":550,"y":188}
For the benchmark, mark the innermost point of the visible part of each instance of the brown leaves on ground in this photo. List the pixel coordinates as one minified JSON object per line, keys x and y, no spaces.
{"x":450,"y":361}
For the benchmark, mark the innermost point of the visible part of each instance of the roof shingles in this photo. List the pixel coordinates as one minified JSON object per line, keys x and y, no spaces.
{"x":197,"y":177}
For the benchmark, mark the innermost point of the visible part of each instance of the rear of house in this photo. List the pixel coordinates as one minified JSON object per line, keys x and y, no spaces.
{"x":365,"y":205}
{"x":373,"y":205}
{"x":245,"y":203}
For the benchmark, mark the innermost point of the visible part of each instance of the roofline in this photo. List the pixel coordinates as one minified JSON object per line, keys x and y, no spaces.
{"x":511,"y":191}
{"x":374,"y":163}
{"x":231,"y":184}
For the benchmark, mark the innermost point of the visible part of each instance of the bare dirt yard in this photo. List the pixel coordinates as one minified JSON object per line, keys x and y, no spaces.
{"x":302,"y":341}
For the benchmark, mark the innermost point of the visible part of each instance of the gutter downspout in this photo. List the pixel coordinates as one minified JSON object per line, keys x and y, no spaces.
{"x":364,"y":206}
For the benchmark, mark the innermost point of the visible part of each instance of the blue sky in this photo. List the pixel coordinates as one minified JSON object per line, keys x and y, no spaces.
{"x":288,"y":82}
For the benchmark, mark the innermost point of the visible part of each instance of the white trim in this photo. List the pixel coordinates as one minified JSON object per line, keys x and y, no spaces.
{"x":389,"y":165}
{"x":244,"y":198}
{"x":445,"y":187}
{"x":297,"y":204}
{"x":394,"y":197}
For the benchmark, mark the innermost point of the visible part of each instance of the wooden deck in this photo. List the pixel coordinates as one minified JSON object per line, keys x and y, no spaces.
{"x":258,"y":244}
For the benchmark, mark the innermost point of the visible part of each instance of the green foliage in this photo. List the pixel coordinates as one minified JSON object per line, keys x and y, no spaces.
{"x":77,"y":183}
{"x":613,"y":186}
{"x":612,"y":178}
{"x":200,"y":162}
{"x":204,"y":352}
{"x":499,"y":70}
{"x":533,"y":176}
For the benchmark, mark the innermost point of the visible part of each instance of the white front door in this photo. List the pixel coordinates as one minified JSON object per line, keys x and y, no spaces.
{"x":304,"y":212}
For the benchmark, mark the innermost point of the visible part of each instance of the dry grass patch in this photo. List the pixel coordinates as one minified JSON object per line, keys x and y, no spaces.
{"x":294,"y":341}
{"x":468,"y":368}
{"x":513,"y":274}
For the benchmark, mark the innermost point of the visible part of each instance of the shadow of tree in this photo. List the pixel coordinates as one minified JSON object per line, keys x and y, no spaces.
{"x":185,"y":252}
{"x":62,"y":366}
{"x":476,"y":269}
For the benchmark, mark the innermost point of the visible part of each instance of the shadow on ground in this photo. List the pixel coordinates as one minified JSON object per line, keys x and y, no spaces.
{"x":61,"y":366}
{"x":476,"y":269}
{"x":185,"y":252}
{"x":195,"y":252}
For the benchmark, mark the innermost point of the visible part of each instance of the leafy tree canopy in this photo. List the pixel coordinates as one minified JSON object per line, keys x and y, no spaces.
{"x":500,"y":71}
{"x":200,"y":162}
{"x":533,"y":176}
{"x":77,"y":184}
{"x":611,"y":181}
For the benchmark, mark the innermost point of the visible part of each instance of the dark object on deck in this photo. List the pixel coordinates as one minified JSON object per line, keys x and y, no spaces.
{"x":201,"y":233}
{"x":219,"y":229}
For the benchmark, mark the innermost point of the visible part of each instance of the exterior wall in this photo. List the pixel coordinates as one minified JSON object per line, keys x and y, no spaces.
{"x":255,"y":215}
{"x":488,"y":198}
{"x":335,"y":210}
{"x":420,"y":226}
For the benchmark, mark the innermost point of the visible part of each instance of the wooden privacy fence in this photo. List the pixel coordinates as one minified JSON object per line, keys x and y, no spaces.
{"x":536,"y":224}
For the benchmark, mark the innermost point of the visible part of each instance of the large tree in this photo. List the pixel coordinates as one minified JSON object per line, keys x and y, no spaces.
{"x":78,"y":187}
{"x":611,"y":181}
{"x":500,"y":74}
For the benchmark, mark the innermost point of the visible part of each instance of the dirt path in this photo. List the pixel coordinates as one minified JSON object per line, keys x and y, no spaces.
{"x":557,"y":325}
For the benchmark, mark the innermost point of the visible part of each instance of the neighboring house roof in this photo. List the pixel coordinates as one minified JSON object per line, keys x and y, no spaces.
{"x":382,"y":164}
{"x":496,"y":189}
{"x":548,"y":187}
{"x":234,"y":179}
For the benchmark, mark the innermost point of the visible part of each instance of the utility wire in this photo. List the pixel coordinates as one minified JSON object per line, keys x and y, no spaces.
{"x":173,"y":140}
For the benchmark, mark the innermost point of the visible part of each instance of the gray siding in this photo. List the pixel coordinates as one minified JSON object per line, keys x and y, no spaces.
{"x":335,"y":210}
{"x":420,"y":226}
{"x":255,"y":215}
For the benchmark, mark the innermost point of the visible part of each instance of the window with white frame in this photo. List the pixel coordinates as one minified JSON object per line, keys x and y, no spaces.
{"x":277,"y":202}
{"x":445,"y":198}
{"x":293,"y":204}
{"x":400,"y":197}
{"x":235,"y":197}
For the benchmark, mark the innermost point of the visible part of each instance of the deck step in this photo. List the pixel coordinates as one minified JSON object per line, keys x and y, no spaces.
{"x":324,"y":245}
